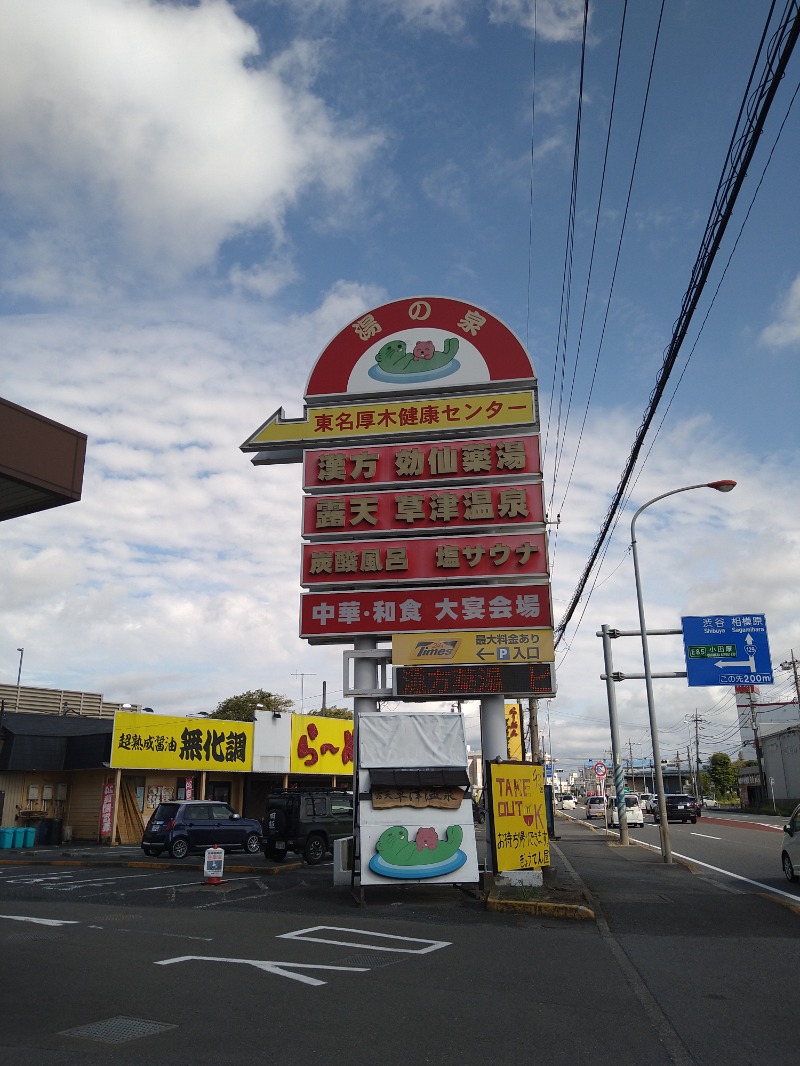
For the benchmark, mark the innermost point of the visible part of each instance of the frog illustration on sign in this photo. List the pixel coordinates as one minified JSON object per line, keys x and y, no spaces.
{"x":395,"y":358}
{"x":396,"y":855}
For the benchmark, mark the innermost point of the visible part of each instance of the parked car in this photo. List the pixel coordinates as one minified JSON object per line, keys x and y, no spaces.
{"x":568,"y":802}
{"x":790,"y":847}
{"x":644,"y":800}
{"x":478,"y":812}
{"x":194,"y":825}
{"x":680,"y":808}
{"x":633,"y":812}
{"x":710,"y":802}
{"x":306,"y":821}
{"x":596,"y":807}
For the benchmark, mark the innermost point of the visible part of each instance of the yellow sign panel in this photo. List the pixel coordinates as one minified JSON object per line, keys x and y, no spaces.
{"x":489,"y":646}
{"x":514,"y":731}
{"x":396,"y":417}
{"x":321,"y":745}
{"x":519,"y":819}
{"x":152,"y":742}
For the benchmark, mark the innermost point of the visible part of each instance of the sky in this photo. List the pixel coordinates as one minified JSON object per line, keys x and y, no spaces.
{"x":196,"y":197}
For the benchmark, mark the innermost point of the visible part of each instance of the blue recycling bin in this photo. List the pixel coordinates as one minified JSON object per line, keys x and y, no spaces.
{"x":19,"y":837}
{"x":30,"y":837}
{"x":7,"y":837}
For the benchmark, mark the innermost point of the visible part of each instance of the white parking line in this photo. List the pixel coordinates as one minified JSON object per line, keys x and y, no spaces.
{"x":416,"y":946}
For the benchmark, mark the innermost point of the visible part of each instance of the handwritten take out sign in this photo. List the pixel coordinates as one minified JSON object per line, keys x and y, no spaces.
{"x":519,"y":821}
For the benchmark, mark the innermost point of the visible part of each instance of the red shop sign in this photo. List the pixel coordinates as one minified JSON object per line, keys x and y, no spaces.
{"x":444,"y":509}
{"x":492,"y":557}
{"x":412,"y":463}
{"x":339,"y":616}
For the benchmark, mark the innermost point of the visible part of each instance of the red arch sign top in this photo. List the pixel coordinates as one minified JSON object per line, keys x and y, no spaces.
{"x":419,"y":343}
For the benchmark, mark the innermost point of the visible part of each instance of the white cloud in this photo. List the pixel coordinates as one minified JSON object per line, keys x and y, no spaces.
{"x":786,"y":329}
{"x":553,"y":20}
{"x":145,"y":133}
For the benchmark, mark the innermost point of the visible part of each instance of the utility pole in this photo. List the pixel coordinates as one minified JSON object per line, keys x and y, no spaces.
{"x":302,"y":680}
{"x":633,"y":772}
{"x":757,"y":743}
{"x":697,"y":721}
{"x":792,"y":664}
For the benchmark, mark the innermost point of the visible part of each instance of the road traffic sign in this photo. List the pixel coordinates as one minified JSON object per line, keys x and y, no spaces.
{"x":727,"y":650}
{"x":600,"y":770}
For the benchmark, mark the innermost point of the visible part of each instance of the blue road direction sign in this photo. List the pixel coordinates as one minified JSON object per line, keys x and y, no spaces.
{"x":727,"y":650}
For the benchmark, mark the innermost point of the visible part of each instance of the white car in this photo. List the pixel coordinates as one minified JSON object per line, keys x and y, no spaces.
{"x":596,"y":807}
{"x":568,"y":802}
{"x":633,"y":812}
{"x":790,"y":847}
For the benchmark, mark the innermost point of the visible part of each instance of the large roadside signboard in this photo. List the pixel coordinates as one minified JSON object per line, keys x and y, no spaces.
{"x":726,"y":650}
{"x":520,"y":840}
{"x":424,"y":508}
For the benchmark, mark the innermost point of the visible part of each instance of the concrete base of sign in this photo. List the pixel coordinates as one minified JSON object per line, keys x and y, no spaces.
{"x":528,"y":878}
{"x":343,"y":860}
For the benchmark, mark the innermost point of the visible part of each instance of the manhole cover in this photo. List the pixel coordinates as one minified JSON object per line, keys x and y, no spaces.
{"x":372,"y":960}
{"x":117,"y":1030}
{"x":117,"y":917}
{"x":44,"y":934}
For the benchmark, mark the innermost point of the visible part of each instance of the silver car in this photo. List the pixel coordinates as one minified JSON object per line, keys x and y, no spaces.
{"x":790,"y":847}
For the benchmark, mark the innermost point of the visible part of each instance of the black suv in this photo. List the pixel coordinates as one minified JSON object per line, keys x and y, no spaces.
{"x":306,"y":821}
{"x":194,"y":825}
{"x":680,"y":808}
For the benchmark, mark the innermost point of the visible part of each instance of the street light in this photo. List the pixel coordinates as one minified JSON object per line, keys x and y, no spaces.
{"x":720,"y":486}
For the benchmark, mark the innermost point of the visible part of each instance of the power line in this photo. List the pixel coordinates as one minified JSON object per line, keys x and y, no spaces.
{"x":755,"y":108}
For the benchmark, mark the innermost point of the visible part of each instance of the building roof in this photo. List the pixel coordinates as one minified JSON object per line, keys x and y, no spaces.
{"x":50,"y":742}
{"x":41,"y":462}
{"x":55,"y":725}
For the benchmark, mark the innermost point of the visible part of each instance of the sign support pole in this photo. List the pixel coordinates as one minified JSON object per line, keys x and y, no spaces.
{"x":494,"y":745}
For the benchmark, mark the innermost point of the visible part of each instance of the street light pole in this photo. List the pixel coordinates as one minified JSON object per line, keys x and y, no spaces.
{"x":720,"y":486}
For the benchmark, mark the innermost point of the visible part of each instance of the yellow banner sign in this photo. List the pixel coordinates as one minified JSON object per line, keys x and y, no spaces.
{"x":321,"y":745}
{"x":153,"y":742}
{"x":514,"y":731}
{"x":482,"y":646}
{"x":463,"y":413}
{"x":519,"y":819}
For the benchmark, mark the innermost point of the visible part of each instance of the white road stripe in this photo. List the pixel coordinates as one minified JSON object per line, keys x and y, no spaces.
{"x":36,"y":921}
{"x":729,"y":873}
{"x":704,"y":835}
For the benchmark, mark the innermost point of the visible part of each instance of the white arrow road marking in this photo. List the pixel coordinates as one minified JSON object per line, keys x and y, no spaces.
{"x":282,"y":969}
{"x":36,"y":921}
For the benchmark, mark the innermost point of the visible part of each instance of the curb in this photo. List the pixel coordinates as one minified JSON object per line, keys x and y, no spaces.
{"x":575,"y":911}
{"x":135,"y":864}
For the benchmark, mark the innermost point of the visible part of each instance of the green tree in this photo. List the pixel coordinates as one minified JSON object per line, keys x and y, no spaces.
{"x":242,"y":708}
{"x":723,"y":773}
{"x":333,"y":712}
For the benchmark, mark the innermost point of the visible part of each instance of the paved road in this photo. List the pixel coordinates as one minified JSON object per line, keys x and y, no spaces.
{"x":679,"y":969}
{"x":746,"y":846}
